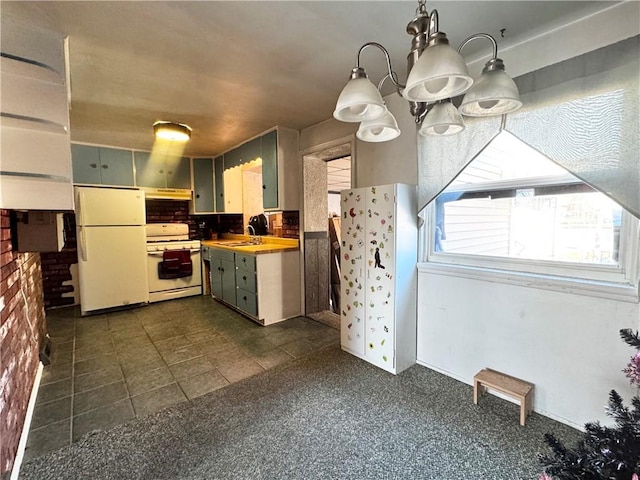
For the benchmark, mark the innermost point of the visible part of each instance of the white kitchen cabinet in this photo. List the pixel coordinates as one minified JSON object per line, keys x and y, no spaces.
{"x":378,"y":267}
{"x":232,"y":180}
{"x":34,"y":134}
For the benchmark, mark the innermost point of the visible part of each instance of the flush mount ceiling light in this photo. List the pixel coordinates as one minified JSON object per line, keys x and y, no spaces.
{"x":176,"y":132}
{"x":436,"y":72}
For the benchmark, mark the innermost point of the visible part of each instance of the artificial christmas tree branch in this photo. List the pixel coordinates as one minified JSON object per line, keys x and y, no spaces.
{"x":603,"y":453}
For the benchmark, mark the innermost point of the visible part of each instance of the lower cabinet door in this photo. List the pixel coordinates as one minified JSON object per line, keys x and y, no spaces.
{"x":216,"y":278}
{"x":247,"y":302}
{"x":228,"y":281}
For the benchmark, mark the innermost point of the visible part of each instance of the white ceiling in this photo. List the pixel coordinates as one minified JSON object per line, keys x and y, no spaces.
{"x":339,"y":174}
{"x":232,"y":70}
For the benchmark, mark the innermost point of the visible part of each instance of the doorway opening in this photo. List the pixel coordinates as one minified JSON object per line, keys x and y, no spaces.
{"x":326,"y":173}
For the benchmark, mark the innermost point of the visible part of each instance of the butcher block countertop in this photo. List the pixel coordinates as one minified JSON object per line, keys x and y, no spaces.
{"x":242,"y":244}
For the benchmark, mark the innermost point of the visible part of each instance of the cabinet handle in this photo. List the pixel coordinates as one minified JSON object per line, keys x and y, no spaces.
{"x":169,"y":172}
{"x":161,"y":171}
{"x":264,"y":187}
{"x":244,"y":298}
{"x":198,"y":195}
{"x":244,"y":278}
{"x":93,"y":165}
{"x":105,"y":166}
{"x":244,"y":260}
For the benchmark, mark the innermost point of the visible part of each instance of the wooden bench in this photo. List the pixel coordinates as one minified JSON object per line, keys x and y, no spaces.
{"x":508,"y":385}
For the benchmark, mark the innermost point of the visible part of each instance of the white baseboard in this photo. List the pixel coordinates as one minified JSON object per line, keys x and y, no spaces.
{"x":17,"y":463}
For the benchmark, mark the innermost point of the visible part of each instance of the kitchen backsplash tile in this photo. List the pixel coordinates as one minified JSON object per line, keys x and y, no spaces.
{"x":168,"y":211}
{"x":291,"y":224}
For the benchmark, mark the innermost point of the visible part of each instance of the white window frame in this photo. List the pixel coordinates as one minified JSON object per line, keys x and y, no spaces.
{"x":607,"y":281}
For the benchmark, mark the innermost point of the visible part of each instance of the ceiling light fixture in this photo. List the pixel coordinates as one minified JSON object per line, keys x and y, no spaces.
{"x":176,"y":132}
{"x":436,"y":74}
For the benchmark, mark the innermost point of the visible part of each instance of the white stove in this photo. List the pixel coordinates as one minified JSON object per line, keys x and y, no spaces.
{"x":169,"y":236}
{"x":173,"y":266}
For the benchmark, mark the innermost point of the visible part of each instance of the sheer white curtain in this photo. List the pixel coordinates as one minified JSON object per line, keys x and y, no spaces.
{"x":583,"y":113}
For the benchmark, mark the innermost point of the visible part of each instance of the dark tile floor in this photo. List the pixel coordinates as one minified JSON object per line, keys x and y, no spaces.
{"x":108,"y":369}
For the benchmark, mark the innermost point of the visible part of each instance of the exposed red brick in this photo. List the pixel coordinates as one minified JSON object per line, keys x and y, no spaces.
{"x":21,"y":280}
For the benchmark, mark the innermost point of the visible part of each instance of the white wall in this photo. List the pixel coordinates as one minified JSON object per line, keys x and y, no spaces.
{"x":394,"y":161}
{"x":567,"y":345}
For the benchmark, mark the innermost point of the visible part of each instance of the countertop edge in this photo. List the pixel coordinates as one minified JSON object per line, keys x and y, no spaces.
{"x":251,"y":249}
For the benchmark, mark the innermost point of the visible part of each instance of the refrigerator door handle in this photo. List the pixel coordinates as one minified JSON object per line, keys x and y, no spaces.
{"x":82,"y":244}
{"x":79,"y":209}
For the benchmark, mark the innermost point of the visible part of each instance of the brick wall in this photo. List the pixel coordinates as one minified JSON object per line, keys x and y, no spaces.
{"x":291,"y":224}
{"x":22,"y":329}
{"x":169,"y":211}
{"x":231,"y":223}
{"x":56,"y":268}
{"x":177,"y":211}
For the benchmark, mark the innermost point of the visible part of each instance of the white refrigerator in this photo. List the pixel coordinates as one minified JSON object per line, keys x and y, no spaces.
{"x":378,"y":269}
{"x":112,"y":256}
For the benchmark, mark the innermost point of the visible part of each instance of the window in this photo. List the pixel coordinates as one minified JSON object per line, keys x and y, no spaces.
{"x":513,"y":209}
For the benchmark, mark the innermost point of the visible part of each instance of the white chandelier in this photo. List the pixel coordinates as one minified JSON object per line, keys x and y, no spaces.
{"x":437,"y":74}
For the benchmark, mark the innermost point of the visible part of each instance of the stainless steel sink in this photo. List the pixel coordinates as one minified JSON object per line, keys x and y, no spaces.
{"x":237,"y":244}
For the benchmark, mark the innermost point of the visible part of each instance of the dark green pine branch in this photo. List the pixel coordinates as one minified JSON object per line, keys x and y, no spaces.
{"x":630,"y":338}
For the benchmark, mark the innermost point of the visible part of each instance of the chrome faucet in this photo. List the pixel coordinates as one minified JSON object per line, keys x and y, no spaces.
{"x":254,"y":238}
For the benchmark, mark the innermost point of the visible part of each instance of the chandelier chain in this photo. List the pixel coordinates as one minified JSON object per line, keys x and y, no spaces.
{"x":421,"y":11}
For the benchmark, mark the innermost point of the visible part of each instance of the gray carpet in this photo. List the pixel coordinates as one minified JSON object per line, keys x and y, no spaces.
{"x":325,"y":416}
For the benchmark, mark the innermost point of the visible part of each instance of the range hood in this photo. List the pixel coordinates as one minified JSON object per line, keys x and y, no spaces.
{"x":167,"y":193}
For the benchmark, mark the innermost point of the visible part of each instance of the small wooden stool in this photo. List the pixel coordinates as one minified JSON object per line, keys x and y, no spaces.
{"x":508,"y":385}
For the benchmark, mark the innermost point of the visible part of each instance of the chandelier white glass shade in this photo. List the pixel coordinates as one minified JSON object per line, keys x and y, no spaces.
{"x":441,"y":120}
{"x":494,"y":93}
{"x":379,"y":129}
{"x":175,"y":132}
{"x":436,"y":72}
{"x":359,"y":100}
{"x":439,"y":73}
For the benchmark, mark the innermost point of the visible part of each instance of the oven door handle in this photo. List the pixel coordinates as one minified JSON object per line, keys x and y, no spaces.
{"x":159,"y":254}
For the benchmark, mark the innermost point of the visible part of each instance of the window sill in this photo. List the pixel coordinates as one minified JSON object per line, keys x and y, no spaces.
{"x":614,"y":291}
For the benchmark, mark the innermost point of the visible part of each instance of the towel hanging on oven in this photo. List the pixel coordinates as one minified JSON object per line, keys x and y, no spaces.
{"x":175,"y":264}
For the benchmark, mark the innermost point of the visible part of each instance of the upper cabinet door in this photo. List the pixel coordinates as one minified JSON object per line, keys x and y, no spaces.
{"x":233,"y":158}
{"x":203,"y":185}
{"x":251,"y":150}
{"x":86,"y":164}
{"x":270,"y":170}
{"x":178,"y":173}
{"x":218,"y":165}
{"x":149,"y":173}
{"x":116,"y":167}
